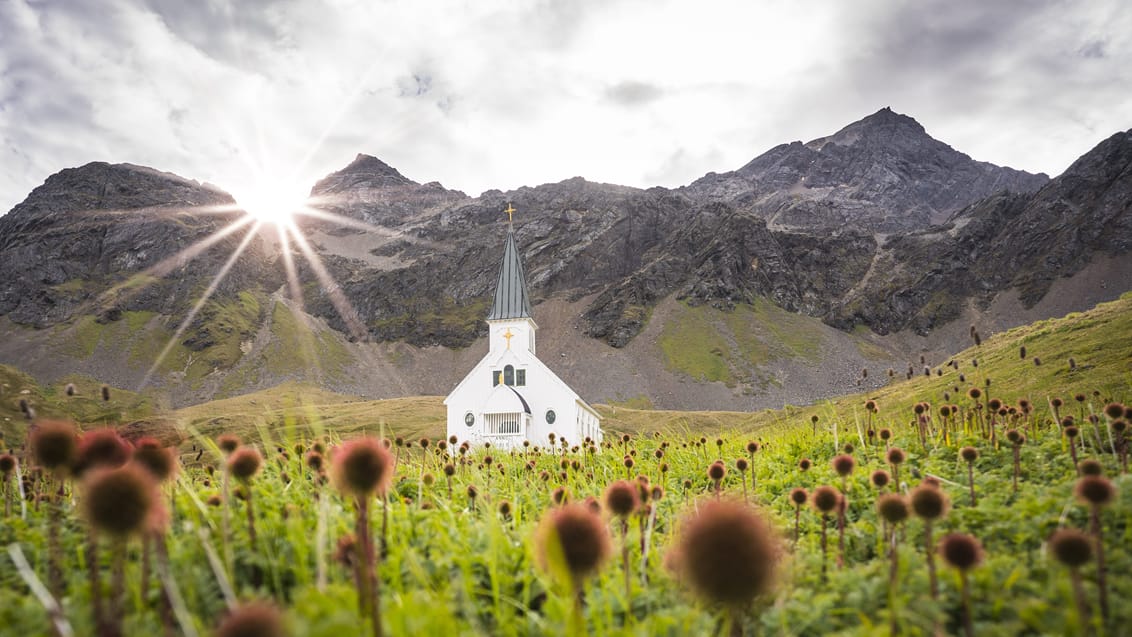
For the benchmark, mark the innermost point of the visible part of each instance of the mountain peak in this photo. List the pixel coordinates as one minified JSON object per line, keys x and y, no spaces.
{"x":365,"y":170}
{"x":884,"y":125}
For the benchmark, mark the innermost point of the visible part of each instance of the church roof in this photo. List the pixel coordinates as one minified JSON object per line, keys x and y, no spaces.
{"x":511,"y":300}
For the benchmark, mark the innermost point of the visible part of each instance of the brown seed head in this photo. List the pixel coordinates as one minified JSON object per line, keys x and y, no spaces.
{"x":804,"y":464}
{"x":621,"y":498}
{"x":315,"y":460}
{"x":929,"y":502}
{"x":1071,"y":547}
{"x":880,"y":478}
{"x":752,"y":447}
{"x":1015,"y":437}
{"x":1095,"y":491}
{"x":843,"y":464}
{"x":969,"y":454}
{"x":7,"y":465}
{"x":716,"y":471}
{"x":119,"y":501}
{"x":258,"y":619}
{"x":826,"y":499}
{"x":159,"y":461}
{"x":798,"y":496}
{"x":101,"y":448}
{"x":362,"y":467}
{"x":1091,"y":467}
{"x":55,"y":445}
{"x":244,"y":463}
{"x":1114,"y":410}
{"x":893,"y":508}
{"x":227,"y":443}
{"x":728,"y":553}
{"x":961,"y":551}
{"x":896,"y":456}
{"x":741,"y":464}
{"x":578,"y":535}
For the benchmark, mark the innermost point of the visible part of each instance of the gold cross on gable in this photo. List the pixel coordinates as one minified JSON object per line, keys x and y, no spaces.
{"x":508,"y":336}
{"x":510,"y":211}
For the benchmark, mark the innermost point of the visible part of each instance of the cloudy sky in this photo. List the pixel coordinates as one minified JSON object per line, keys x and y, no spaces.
{"x":502,"y":93}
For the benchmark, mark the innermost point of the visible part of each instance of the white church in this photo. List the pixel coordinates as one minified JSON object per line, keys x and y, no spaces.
{"x":511,"y":396}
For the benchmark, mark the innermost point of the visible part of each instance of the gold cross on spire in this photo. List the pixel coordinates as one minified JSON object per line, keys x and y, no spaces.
{"x":508,"y":335}
{"x":510,"y":211}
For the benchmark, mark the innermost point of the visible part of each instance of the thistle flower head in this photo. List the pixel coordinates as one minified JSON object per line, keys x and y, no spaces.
{"x":843,"y":464}
{"x":804,"y":464}
{"x":741,"y":464}
{"x":362,"y":467}
{"x":885,"y":433}
{"x":826,"y":499}
{"x":119,"y":501}
{"x":716,"y":471}
{"x":728,"y":553}
{"x":560,"y":495}
{"x":880,"y":478}
{"x":244,"y":463}
{"x":799,"y":496}
{"x":101,"y":448}
{"x":895,"y":455}
{"x":1095,"y":491}
{"x":572,"y":538}
{"x":929,"y":502}
{"x":1015,"y":437}
{"x":621,"y":498}
{"x":1114,"y":410}
{"x":258,"y":619}
{"x":752,"y":447}
{"x":7,"y":465}
{"x":1091,"y":467}
{"x":159,"y":461}
{"x":227,"y":443}
{"x":969,"y":454}
{"x":315,"y":460}
{"x":961,"y":551}
{"x":893,"y":508}
{"x":1071,"y":547}
{"x":55,"y":445}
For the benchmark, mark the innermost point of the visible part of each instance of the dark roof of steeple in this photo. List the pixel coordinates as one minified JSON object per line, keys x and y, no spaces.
{"x":511,"y":300}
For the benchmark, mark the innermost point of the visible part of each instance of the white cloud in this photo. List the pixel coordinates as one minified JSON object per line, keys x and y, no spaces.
{"x":496,"y":94}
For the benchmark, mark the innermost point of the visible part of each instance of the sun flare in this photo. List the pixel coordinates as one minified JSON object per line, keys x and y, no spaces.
{"x":271,"y":201}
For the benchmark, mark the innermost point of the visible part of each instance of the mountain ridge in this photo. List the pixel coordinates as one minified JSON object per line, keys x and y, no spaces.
{"x":860,"y":249}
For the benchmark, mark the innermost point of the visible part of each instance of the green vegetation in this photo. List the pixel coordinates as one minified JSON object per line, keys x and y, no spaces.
{"x":730,"y":347}
{"x":452,"y":563}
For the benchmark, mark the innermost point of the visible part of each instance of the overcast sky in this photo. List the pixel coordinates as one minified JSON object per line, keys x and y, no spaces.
{"x":486,"y":94}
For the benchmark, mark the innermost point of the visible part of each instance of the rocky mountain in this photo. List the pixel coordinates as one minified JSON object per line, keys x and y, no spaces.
{"x":877,"y":226}
{"x":883,"y":173}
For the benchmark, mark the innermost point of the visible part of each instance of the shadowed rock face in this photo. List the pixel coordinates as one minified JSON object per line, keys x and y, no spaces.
{"x":798,"y":225}
{"x":883,"y":173}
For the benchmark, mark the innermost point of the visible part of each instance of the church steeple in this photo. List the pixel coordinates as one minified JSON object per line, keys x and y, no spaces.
{"x":511,"y":300}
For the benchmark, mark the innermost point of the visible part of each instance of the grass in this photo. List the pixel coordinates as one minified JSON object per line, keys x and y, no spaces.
{"x":449,"y":568}
{"x":711,"y":345}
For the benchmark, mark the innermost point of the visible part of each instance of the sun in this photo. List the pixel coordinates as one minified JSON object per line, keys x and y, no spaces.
{"x":271,"y":201}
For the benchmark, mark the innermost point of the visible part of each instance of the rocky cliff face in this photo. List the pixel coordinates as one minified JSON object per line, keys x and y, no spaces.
{"x":877,"y":225}
{"x":88,"y":229}
{"x":1004,"y":242}
{"x":883,"y":173}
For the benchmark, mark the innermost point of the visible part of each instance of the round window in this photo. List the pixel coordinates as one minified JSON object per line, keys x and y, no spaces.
{"x":550,"y":416}
{"x":469,"y":419}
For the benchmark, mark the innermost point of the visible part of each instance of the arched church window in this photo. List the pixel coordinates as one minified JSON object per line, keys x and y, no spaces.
{"x":509,"y":375}
{"x":521,"y":377}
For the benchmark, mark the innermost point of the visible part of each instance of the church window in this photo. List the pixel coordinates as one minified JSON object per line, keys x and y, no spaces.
{"x":509,"y":375}
{"x":521,"y":377}
{"x":469,"y":419}
{"x":550,"y":416}
{"x":496,"y":377}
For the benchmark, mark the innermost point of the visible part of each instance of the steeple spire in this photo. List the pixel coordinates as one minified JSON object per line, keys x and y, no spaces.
{"x":511,"y":300}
